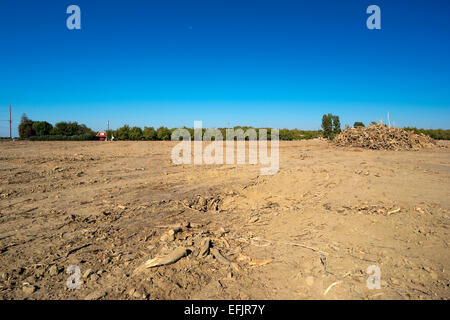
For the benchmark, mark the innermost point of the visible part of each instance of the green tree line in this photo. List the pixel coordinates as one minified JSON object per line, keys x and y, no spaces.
{"x":163,"y":133}
{"x":44,"y":131}
{"x":438,"y":134}
{"x":72,"y":131}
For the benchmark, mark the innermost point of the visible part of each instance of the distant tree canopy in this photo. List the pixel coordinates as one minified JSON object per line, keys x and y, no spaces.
{"x":110,"y":134}
{"x":42,"y":128}
{"x":327,"y":125}
{"x":163,"y":133}
{"x":438,"y":134}
{"x":135,"y":133}
{"x":123,"y":133}
{"x":25,"y":127}
{"x":149,"y":133}
{"x":286,"y":134}
{"x":331,"y":126}
{"x":72,"y":131}
{"x":358,"y":124}
{"x":336,"y":125}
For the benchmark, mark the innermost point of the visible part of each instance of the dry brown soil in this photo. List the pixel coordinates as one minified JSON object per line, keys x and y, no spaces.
{"x":308,"y":232}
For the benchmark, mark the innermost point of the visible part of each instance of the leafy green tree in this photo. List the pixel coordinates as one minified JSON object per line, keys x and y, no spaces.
{"x":327,"y":125}
{"x":26,"y":127}
{"x":70,"y":129}
{"x":331,"y":126}
{"x":163,"y":133}
{"x":42,"y":128}
{"x":149,"y":133}
{"x":135,"y":133}
{"x":123,"y":133}
{"x":81,"y":129}
{"x":61,"y":128}
{"x":191,"y":132}
{"x":269,"y":133}
{"x":110,"y":133}
{"x":336,"y":125}
{"x":286,"y":134}
{"x":358,"y":124}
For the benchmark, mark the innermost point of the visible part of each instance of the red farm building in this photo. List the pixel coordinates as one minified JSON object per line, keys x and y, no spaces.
{"x":101,"y":135}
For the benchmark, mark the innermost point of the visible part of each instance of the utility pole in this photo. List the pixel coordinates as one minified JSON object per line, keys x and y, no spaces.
{"x":10,"y":123}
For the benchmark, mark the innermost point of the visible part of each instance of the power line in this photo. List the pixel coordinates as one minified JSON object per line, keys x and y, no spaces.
{"x":10,"y":123}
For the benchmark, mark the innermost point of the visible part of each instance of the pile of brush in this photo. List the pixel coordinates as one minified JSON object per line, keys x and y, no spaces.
{"x":380,"y":136}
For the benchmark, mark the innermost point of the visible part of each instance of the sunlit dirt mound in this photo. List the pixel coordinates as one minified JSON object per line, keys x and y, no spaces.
{"x":379,"y":137}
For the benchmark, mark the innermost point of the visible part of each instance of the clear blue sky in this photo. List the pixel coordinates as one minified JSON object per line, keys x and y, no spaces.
{"x":238,"y":62}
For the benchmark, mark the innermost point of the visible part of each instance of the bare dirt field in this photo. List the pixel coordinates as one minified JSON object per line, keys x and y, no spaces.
{"x":308,"y":232}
